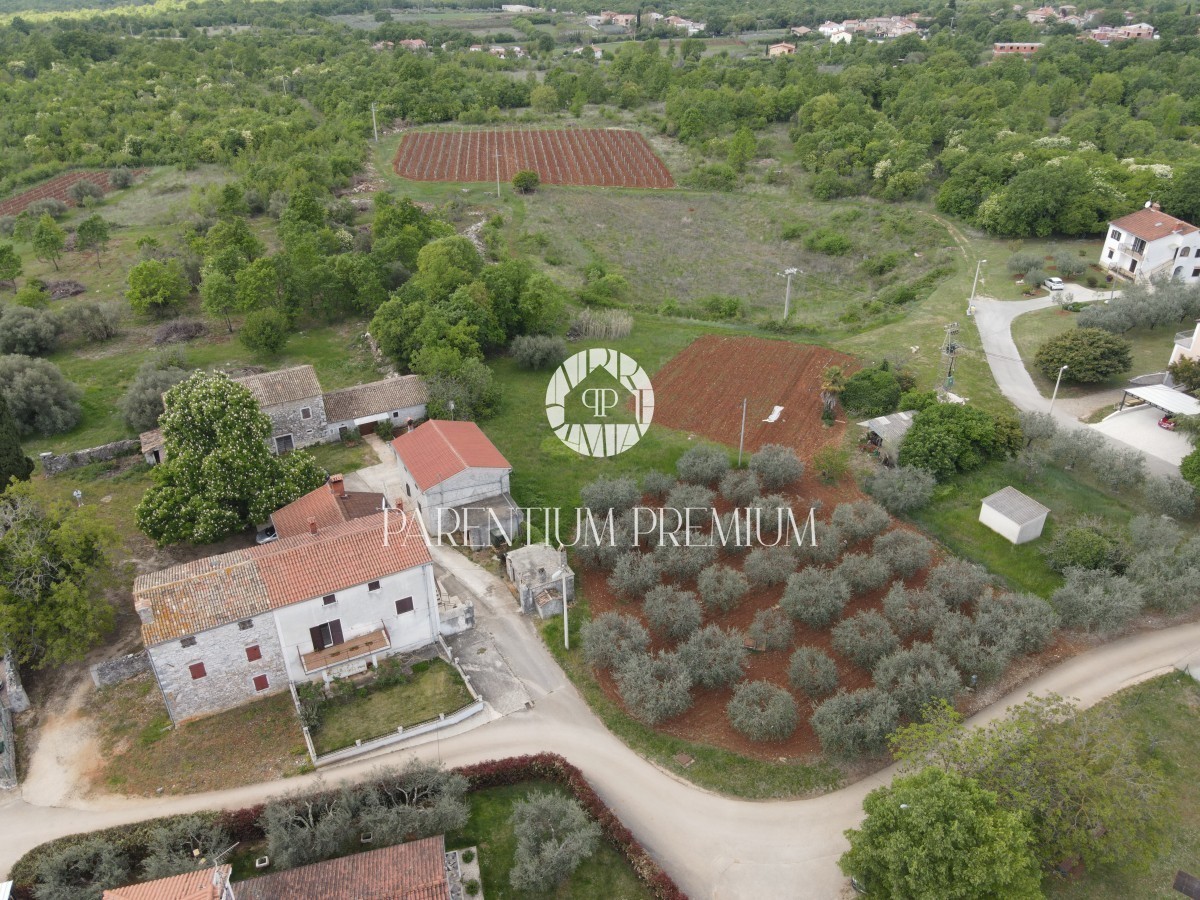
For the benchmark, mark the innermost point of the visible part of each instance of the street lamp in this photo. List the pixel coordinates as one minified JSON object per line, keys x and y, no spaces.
{"x":787,"y":296}
{"x":1057,"y":382}
{"x":974,"y":284}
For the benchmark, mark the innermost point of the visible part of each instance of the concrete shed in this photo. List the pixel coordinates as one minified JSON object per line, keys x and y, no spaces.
{"x":1014,"y":515}
{"x":886,"y":432}
{"x":532,"y":568}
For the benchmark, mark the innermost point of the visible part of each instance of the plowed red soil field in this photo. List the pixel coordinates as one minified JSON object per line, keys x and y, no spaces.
{"x":701,"y":389}
{"x":55,"y":188}
{"x":587,"y":156}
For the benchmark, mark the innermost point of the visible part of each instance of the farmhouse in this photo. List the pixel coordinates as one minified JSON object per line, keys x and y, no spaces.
{"x":413,"y":44}
{"x":1020,"y":49}
{"x":1149,"y":242}
{"x":801,"y":30}
{"x":293,"y":401}
{"x":401,"y":399}
{"x":1013,"y":515}
{"x":458,"y":481}
{"x":222,"y":630}
{"x":842,"y":37}
{"x":539,"y":572}
{"x":781,"y":49}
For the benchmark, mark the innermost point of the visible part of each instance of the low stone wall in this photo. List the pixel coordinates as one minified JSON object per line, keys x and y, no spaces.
{"x":13,"y":692}
{"x":121,"y":668}
{"x":8,"y":752}
{"x":55,"y":465}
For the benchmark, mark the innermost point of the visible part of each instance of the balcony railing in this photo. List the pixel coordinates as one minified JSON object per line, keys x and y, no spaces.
{"x":1129,"y":249}
{"x":352,"y":648}
{"x":1184,"y":339}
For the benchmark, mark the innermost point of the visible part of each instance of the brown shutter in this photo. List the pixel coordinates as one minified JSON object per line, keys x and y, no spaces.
{"x":318,"y":641}
{"x":335,"y":629}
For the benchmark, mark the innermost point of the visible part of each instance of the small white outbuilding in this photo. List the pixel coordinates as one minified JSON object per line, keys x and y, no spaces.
{"x":1014,"y":515}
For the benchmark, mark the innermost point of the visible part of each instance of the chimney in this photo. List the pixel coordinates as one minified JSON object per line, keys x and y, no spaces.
{"x":312,"y":526}
{"x":1156,"y":206}
{"x":337,"y":484}
{"x":145,"y":610}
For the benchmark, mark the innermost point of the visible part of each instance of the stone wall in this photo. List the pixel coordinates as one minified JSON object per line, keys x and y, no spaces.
{"x":12,"y":692}
{"x":288,"y":418}
{"x":8,"y":752}
{"x":229,"y":673}
{"x":121,"y":668}
{"x":55,"y":465}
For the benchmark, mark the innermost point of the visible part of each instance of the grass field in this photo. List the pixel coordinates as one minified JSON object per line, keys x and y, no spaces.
{"x":432,"y":689}
{"x":604,"y":876}
{"x":1165,"y":714}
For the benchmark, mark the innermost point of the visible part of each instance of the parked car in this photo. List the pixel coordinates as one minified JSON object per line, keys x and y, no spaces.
{"x":266,"y":535}
{"x":1054,"y":284}
{"x":1167,"y":422}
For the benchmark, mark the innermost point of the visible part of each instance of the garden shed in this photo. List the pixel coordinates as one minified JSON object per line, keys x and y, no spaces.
{"x":1014,"y":515}
{"x":886,"y":432}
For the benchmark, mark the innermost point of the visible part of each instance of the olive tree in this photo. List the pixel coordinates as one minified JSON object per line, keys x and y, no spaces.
{"x":714,"y":657}
{"x":83,"y":871}
{"x":1024,"y":622}
{"x":958,"y":582}
{"x":605,"y":493}
{"x":702,"y":465}
{"x":1171,"y":495}
{"x":916,"y":676}
{"x":657,"y":484}
{"x":912,"y":611}
{"x":815,"y":596}
{"x":654,"y":688}
{"x":763,"y":711}
{"x":860,"y":520}
{"x":771,"y":629}
{"x":740,"y":487}
{"x":904,"y":552}
{"x":673,"y":613}
{"x":610,"y":639}
{"x":813,"y":671}
{"x":721,"y":587}
{"x":32,"y":332}
{"x":417,"y":799}
{"x":142,"y":404}
{"x":776,"y":466}
{"x":855,"y":723}
{"x":183,"y":844}
{"x":554,"y":836}
{"x":901,"y":489}
{"x":766,"y":566}
{"x":1097,"y":601}
{"x":865,"y":638}
{"x":634,"y":574}
{"x":40,"y":399}
{"x":685,"y":560}
{"x":976,"y":656}
{"x":304,"y":828}
{"x":863,"y":573}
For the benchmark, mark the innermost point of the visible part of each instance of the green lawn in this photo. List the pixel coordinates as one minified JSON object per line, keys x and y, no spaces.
{"x":434,"y":687}
{"x":953,"y":518}
{"x":1163,"y":712}
{"x":605,"y":876}
{"x":339,"y":458}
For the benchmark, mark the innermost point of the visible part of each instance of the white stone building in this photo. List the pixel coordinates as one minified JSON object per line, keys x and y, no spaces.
{"x":458,"y":481}
{"x":223,"y":630}
{"x":1149,"y":243}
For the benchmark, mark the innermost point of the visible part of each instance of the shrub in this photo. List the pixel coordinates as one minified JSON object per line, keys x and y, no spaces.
{"x":1077,"y":447}
{"x":872,"y":392}
{"x":776,"y":466}
{"x":142,"y":403}
{"x":958,"y":582}
{"x":38,"y":396}
{"x":50,"y":206}
{"x":1091,"y":354}
{"x":828,"y":241}
{"x":812,"y":671}
{"x":917,"y":400}
{"x":766,"y":566}
{"x":1038,"y":428}
{"x":902,"y":489}
{"x":657,"y":484}
{"x":772,"y":515}
{"x":1085,"y":544}
{"x":860,"y":520}
{"x":178,"y":332}
{"x":554,"y":836}
{"x":815,"y":596}
{"x":32,"y":332}
{"x":526,"y":181}
{"x":83,"y":871}
{"x":634,"y":574}
{"x":713,"y":657}
{"x":863,"y":573}
{"x":84,"y":190}
{"x":854,"y":724}
{"x":865,"y":638}
{"x":959,"y":638}
{"x":721,"y":587}
{"x":734,"y":532}
{"x":771,"y":629}
{"x":1171,"y":495}
{"x":1024,"y":622}
{"x":157,"y":286}
{"x":913,"y":611}
{"x":265,"y":331}
{"x":538,"y":351}
{"x":917,"y":676}
{"x":831,"y":463}
{"x":762,"y":711}
{"x":702,"y":465}
{"x":384,"y":430}
{"x":740,"y":487}
{"x":1118,"y":469}
{"x":178,"y":845}
{"x":672,"y":613}
{"x":610,"y":639}
{"x":655,"y":688}
{"x":1097,"y":601}
{"x":825,"y":546}
{"x":305,"y":828}
{"x":97,"y":321}
{"x":693,"y":503}
{"x":602,"y":324}
{"x":120,"y":178}
{"x":951,"y":437}
{"x":903,"y":552}
{"x":605,"y":493}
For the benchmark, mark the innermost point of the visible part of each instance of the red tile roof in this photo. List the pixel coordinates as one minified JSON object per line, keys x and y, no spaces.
{"x":328,"y":505}
{"x":439,"y":449}
{"x":196,"y":885}
{"x":412,"y":871}
{"x":1152,"y":224}
{"x":199,"y":595}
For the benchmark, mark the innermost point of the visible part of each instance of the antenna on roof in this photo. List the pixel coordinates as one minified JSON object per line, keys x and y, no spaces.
{"x":1147,"y":206}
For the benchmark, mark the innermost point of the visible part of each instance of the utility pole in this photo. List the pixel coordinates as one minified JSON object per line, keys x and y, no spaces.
{"x":742,"y":438}
{"x":787,"y":295}
{"x":949,"y":351}
{"x":497,"y":173}
{"x":974,"y":284}
{"x":374,"y":124}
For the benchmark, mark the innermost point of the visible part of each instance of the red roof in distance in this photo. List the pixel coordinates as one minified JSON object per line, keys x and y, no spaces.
{"x":1152,"y":224}
{"x":438,"y":450}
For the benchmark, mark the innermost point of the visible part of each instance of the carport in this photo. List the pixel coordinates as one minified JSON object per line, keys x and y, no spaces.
{"x":1169,"y":400}
{"x":1138,"y":426}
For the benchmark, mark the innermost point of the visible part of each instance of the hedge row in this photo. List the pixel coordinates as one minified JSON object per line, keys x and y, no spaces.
{"x":243,"y":824}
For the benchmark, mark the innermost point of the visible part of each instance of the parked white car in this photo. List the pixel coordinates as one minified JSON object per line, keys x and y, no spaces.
{"x":1054,"y":284}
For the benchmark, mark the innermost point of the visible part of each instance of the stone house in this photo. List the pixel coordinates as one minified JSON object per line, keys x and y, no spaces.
{"x":458,"y":481}
{"x":781,"y":49}
{"x":1149,"y":243}
{"x":538,"y":572}
{"x":223,"y":630}
{"x":401,"y":399}
{"x":293,"y":400}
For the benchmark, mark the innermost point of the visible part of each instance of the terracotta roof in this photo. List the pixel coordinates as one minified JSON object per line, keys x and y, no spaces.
{"x":391,"y":394}
{"x":196,"y":596}
{"x":412,"y":871}
{"x":196,"y":885}
{"x":438,"y":449}
{"x":151,"y":440}
{"x":1152,"y":224}
{"x":329,"y":505}
{"x":284,"y":386}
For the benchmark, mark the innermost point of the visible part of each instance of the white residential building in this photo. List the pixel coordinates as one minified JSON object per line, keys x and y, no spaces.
{"x":1149,"y":244}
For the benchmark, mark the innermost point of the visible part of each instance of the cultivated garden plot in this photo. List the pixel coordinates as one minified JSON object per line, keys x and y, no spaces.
{"x":586,"y":156}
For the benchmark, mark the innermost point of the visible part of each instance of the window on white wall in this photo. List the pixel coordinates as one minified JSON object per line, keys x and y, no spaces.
{"x":404,"y":605}
{"x":372,"y":586}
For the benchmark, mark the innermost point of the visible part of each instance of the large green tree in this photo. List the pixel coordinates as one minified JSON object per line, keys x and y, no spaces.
{"x":10,"y":264}
{"x":13,"y":461}
{"x":951,"y":437}
{"x":157,"y":287}
{"x":938,"y":836}
{"x":1090,"y":355}
{"x":48,"y":240}
{"x":219,"y":477}
{"x":92,"y":234}
{"x":55,"y":562}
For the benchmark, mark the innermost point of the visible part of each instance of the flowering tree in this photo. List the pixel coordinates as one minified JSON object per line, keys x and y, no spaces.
{"x":219,"y":476}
